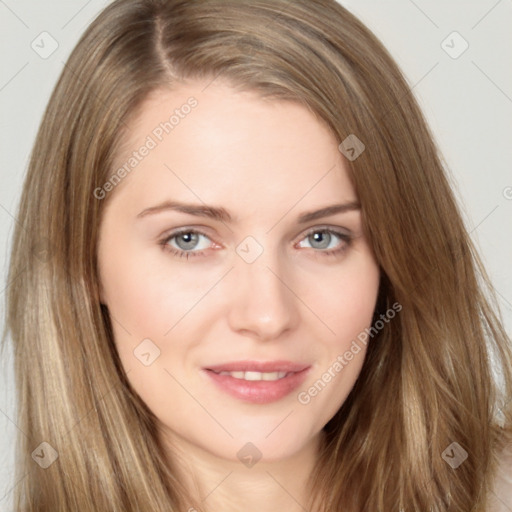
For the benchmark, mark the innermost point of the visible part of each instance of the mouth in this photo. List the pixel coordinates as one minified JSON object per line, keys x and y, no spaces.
{"x":258,"y":382}
{"x":256,"y":376}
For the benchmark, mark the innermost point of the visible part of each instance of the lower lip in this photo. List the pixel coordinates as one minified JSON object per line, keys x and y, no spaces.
{"x":259,"y":391}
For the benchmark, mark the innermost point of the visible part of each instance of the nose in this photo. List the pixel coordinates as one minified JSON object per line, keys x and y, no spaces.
{"x":263,"y":303}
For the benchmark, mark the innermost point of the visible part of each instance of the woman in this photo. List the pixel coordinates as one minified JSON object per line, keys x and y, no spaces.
{"x":185,"y":344}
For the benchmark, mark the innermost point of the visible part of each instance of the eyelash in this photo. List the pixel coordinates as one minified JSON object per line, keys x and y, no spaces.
{"x":346,"y":238}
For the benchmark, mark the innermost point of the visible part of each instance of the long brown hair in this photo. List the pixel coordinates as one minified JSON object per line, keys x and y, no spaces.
{"x":427,"y":381}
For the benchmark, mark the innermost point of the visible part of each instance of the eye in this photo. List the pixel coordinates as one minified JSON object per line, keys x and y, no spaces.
{"x":186,"y":243}
{"x":327,"y":241}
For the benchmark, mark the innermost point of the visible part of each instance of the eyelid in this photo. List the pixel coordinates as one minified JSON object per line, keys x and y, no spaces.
{"x":325,"y":227}
{"x":202,"y":231}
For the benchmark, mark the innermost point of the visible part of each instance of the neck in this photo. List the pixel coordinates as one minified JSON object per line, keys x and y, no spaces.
{"x":230,"y":486}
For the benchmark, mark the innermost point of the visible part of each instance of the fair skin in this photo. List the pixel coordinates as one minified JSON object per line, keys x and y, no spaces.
{"x":266,"y":162}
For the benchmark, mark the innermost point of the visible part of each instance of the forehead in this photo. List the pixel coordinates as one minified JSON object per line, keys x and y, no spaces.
{"x":213,"y":143}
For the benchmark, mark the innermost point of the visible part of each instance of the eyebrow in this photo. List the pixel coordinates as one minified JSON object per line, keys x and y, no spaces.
{"x":221,"y":214}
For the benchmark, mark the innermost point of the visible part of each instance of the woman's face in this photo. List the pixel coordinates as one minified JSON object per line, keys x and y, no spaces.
{"x":235,"y":270}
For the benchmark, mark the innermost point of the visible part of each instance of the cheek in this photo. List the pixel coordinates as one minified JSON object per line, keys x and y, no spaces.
{"x":147,"y":297}
{"x":348,"y":312}
{"x":348,"y":305}
{"x":147,"y":305}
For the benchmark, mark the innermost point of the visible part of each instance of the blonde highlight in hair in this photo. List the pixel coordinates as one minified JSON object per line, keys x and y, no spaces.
{"x":427,"y":380}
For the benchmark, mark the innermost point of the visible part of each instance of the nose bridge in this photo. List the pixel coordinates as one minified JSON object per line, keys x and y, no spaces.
{"x":262,"y":304}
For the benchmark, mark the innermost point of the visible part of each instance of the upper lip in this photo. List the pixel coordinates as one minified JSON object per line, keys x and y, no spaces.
{"x":258,"y":366}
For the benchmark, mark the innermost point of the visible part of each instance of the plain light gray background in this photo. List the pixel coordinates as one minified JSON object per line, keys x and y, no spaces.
{"x":467,"y":99}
